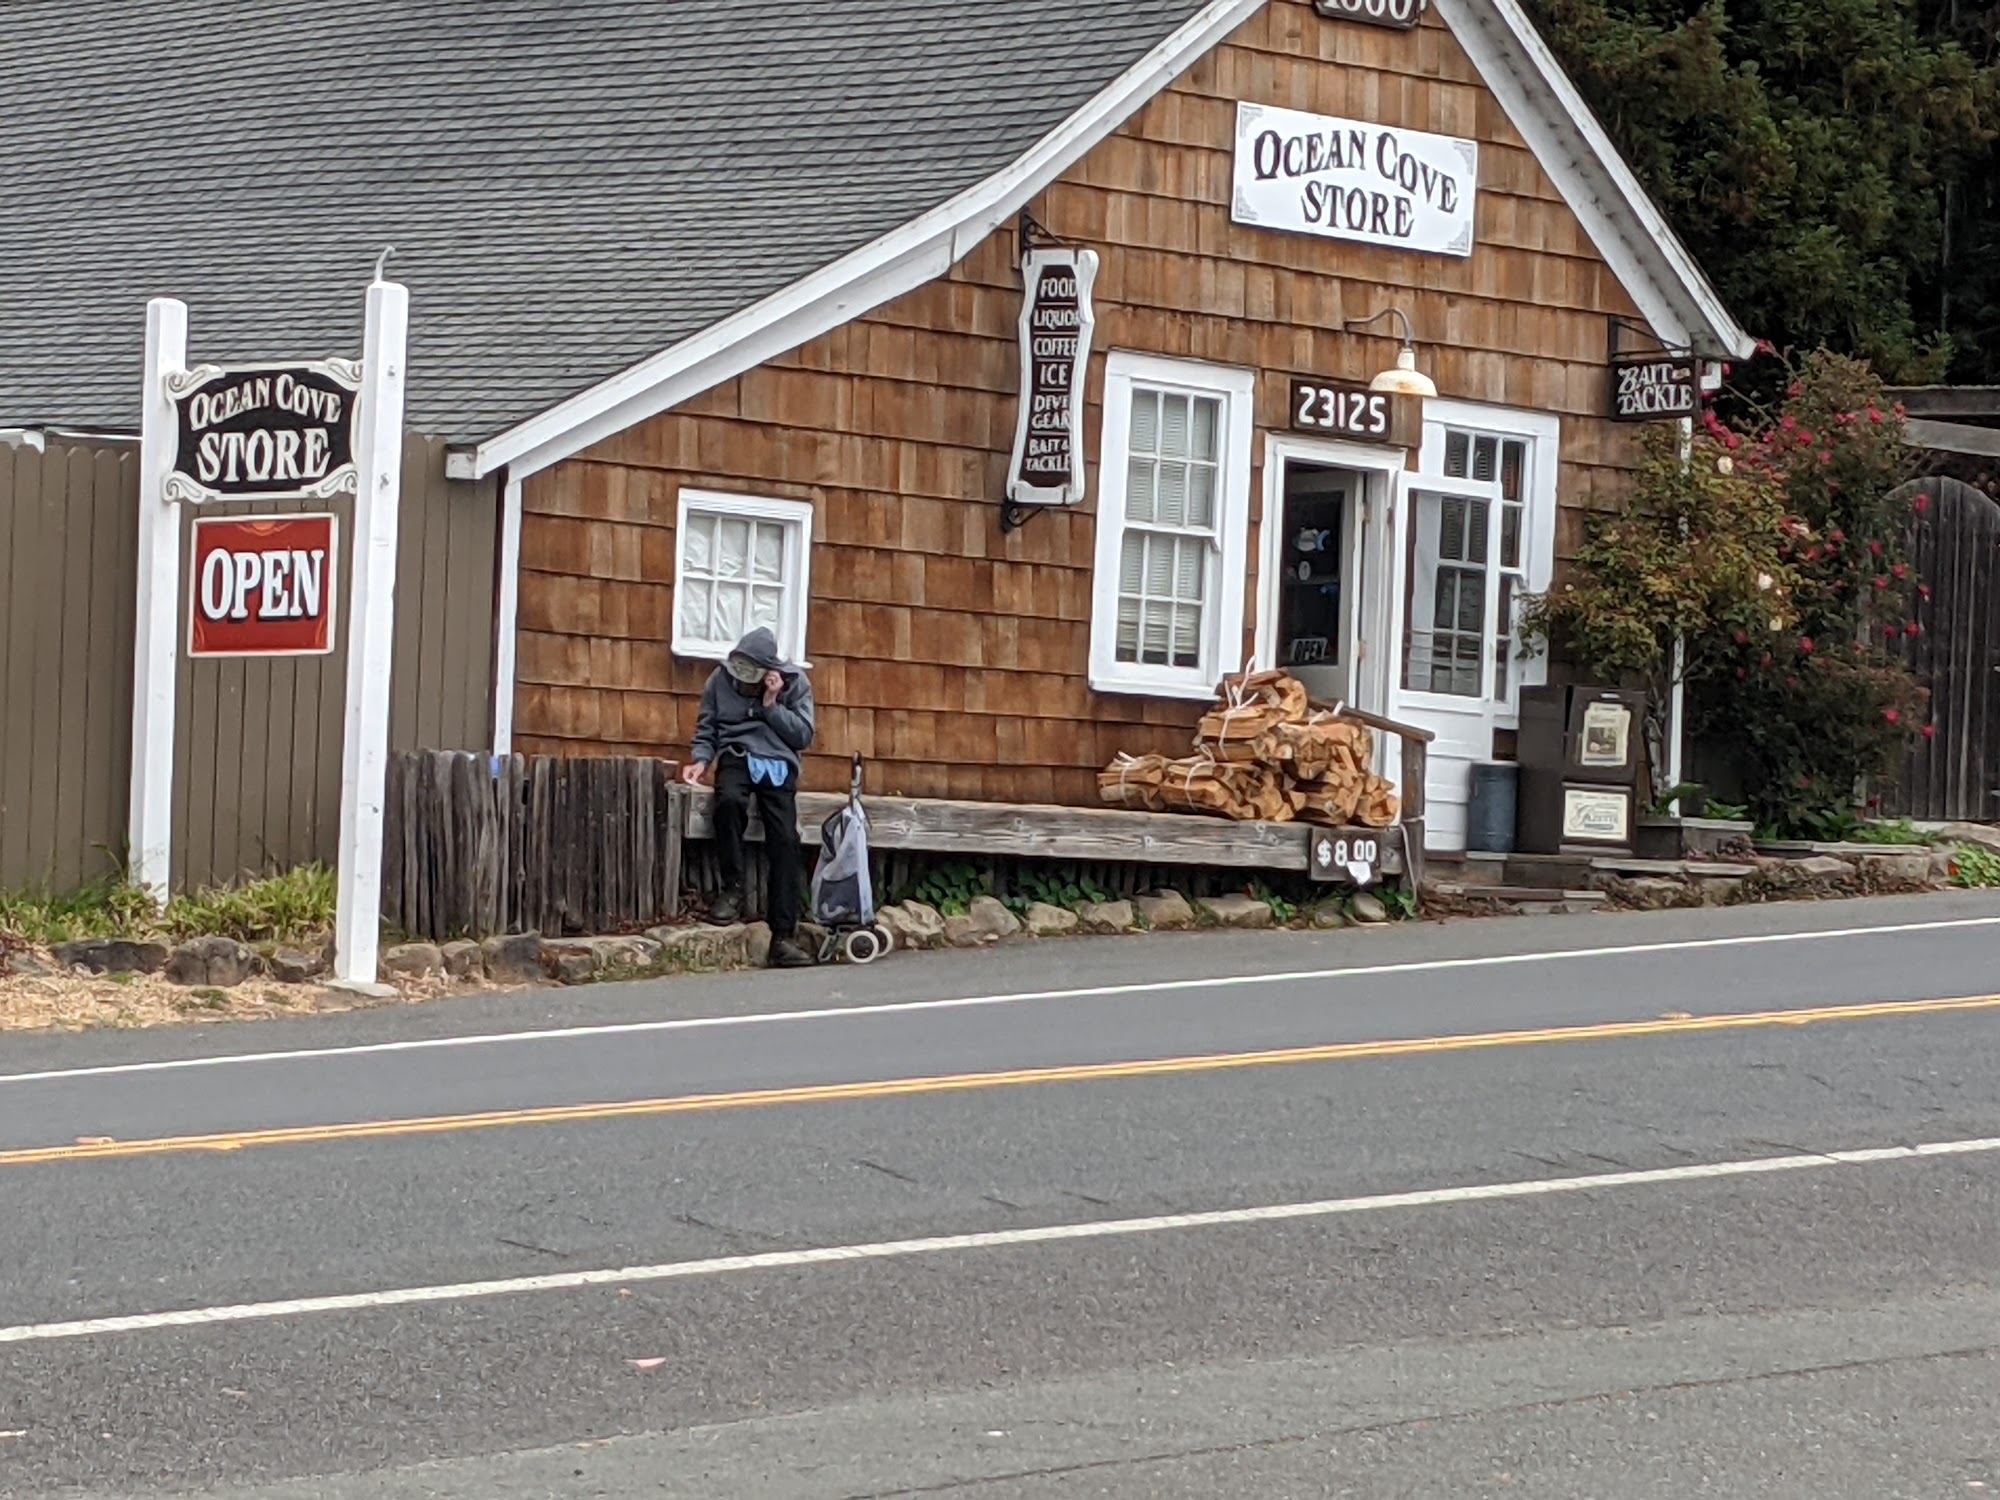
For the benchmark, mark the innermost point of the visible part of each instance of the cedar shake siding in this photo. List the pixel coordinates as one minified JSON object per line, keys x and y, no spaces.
{"x":954,"y":656}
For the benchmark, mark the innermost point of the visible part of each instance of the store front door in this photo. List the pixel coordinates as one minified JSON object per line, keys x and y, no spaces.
{"x":1319,"y":578}
{"x":1323,"y":572}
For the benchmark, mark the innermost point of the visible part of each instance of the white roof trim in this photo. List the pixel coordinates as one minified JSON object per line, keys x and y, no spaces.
{"x":1624,"y":225}
{"x":1622,"y":221}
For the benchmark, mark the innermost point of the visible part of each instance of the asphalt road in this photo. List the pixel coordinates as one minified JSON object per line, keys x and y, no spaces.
{"x":1681,"y":1204}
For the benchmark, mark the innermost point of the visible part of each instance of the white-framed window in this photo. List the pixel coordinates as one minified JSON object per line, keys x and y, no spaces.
{"x":1173,"y":523}
{"x":740,"y":561}
{"x":1482,"y":513}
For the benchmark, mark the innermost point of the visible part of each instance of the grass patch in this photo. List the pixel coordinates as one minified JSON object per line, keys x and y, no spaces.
{"x":293,"y":907}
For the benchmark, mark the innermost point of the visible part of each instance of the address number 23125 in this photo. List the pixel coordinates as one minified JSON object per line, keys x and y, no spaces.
{"x":1350,"y":411}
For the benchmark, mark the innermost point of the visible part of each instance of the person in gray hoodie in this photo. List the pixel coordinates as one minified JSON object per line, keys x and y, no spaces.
{"x":756,"y":719}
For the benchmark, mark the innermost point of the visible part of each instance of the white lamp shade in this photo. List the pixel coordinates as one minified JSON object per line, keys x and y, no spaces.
{"x":1405,"y":379}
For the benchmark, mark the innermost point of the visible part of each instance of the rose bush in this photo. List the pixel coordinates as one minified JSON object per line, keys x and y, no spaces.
{"x":1774,"y":554}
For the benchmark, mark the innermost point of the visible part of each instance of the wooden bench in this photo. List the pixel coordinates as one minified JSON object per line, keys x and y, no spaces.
{"x":1078,"y":834}
{"x":1084,"y":835}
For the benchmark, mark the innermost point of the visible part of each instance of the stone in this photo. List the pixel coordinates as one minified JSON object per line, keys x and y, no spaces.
{"x":25,"y":963}
{"x":1909,"y":865}
{"x":962,"y":932}
{"x":913,"y":925}
{"x":1327,"y":916}
{"x":707,"y":947}
{"x":413,"y":961}
{"x":112,"y":956}
{"x":1107,"y":916}
{"x":1818,"y":867}
{"x":463,"y":960}
{"x":1985,"y":835}
{"x":1657,"y":892}
{"x":990,"y":915}
{"x":220,"y":962}
{"x":1718,"y":890}
{"x":1941,"y":866}
{"x":577,"y":966}
{"x":516,"y":959}
{"x":1237,"y":910}
{"x":1164,"y":911}
{"x":1044,"y":920}
{"x":289,"y":966}
{"x":1367,"y":908}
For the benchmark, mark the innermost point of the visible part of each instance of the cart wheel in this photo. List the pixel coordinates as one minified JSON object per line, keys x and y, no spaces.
{"x":862,"y":946}
{"x":885,"y":937}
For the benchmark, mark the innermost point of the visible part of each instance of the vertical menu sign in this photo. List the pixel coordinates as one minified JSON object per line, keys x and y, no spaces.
{"x":1056,"y":323}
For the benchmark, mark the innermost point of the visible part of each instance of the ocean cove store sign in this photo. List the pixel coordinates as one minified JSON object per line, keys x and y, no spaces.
{"x":1347,"y":180}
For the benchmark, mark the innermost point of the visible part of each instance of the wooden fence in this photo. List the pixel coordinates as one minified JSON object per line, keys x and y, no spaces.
{"x":476,"y":845}
{"x":257,"y":744}
{"x":1954,"y":547}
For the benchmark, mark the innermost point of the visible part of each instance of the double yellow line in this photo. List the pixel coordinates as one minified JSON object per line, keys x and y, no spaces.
{"x":892,"y":1088}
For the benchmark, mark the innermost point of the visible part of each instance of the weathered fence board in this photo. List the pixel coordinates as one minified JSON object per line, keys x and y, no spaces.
{"x":477,"y":845}
{"x":1954,"y":546}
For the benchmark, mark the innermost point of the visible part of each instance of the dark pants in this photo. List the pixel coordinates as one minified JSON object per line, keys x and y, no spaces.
{"x":778,"y":808}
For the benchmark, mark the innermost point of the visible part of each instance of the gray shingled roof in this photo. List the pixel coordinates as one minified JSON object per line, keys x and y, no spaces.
{"x":570,"y":185}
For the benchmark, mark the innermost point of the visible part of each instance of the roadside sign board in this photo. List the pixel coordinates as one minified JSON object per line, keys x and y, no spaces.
{"x":263,"y":586}
{"x":263,"y":432}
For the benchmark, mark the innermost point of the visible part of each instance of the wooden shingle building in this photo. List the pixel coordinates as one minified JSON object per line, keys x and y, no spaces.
{"x":1010,"y":358}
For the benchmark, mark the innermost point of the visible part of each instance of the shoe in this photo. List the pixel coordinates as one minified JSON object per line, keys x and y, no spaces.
{"x":790,"y":953}
{"x":726,"y":910}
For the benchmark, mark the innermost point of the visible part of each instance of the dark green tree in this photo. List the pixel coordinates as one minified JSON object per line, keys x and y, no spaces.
{"x":1831,"y":162}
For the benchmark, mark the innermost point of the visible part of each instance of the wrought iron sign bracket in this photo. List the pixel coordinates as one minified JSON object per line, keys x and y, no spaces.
{"x":1014,"y":515}
{"x":1615,"y":348}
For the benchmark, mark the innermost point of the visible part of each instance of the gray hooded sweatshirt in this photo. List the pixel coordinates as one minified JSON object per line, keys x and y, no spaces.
{"x":733,"y":718}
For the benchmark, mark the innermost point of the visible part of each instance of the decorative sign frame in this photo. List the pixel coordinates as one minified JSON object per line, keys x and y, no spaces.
{"x":264,"y":586}
{"x":1349,"y":180}
{"x":263,"y":432}
{"x":1396,"y":15}
{"x":1654,"y":387}
{"x":1057,"y":320}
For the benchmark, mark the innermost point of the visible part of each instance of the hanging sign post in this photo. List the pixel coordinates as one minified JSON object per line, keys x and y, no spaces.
{"x":150,"y":829}
{"x":266,"y":585}
{"x":371,"y":632}
{"x":1056,"y":324}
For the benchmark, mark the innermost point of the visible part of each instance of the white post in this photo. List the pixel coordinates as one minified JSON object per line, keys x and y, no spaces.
{"x":371,"y":631}
{"x":156,"y":637}
{"x":509,"y":613}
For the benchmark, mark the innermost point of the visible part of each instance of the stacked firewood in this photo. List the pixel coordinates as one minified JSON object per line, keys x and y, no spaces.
{"x":1264,"y":753}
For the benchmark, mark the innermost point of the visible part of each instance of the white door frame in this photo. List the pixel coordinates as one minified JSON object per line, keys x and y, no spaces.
{"x":1369,"y":560}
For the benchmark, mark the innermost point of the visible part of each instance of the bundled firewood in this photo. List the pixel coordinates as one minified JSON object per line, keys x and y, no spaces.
{"x":1379,"y":806}
{"x":1321,"y":745}
{"x":1262,"y":753}
{"x":1250,"y":706}
{"x":1196,"y":784}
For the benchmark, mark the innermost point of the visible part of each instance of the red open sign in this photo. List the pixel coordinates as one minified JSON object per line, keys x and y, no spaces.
{"x":263,"y":586}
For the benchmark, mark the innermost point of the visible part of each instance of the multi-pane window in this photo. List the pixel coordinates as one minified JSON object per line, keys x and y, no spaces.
{"x":1169,"y":549}
{"x":1446,"y":657}
{"x":1172,"y":526}
{"x":741,"y":563}
{"x":1469,"y":563}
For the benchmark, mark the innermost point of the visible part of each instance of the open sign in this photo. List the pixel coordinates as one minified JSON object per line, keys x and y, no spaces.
{"x":263,"y":586}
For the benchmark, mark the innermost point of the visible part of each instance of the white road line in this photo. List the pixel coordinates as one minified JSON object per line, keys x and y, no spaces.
{"x":781,"y":1260}
{"x":973,"y":1002}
